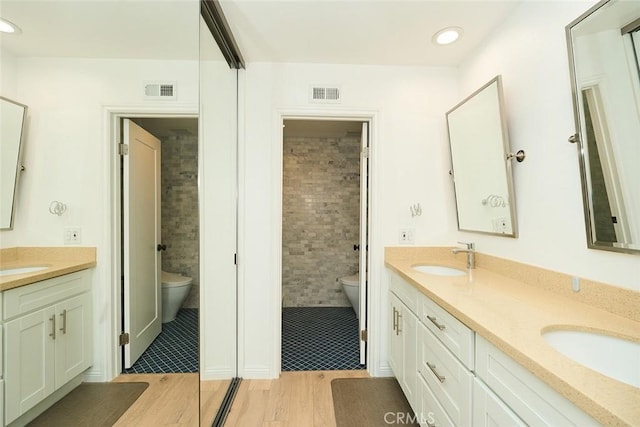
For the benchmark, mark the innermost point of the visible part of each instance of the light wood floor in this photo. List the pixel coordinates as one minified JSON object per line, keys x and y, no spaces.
{"x":295,"y":399}
{"x":172,"y":400}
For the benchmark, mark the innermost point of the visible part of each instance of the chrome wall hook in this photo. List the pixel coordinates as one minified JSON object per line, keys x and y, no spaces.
{"x":416,"y":210}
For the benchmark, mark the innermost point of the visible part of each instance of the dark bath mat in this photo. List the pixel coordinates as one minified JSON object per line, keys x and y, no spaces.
{"x":370,"y":402}
{"x":91,"y":405}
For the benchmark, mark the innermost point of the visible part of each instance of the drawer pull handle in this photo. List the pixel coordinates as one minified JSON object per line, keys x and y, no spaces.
{"x":64,"y":321}
{"x":435,"y":322}
{"x":395,"y":319}
{"x":431,"y":424}
{"x":440,"y":378}
{"x":399,"y":330}
{"x":52,"y":319}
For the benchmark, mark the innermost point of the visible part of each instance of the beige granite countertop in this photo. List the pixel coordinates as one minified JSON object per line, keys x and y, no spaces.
{"x":507,"y":306}
{"x":58,"y":260}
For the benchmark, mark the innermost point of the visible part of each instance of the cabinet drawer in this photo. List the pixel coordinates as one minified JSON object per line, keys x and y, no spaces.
{"x":534,"y":401}
{"x":490,"y":411}
{"x":32,"y":297}
{"x":405,"y":292}
{"x":448,"y":379}
{"x":430,"y":412}
{"x":458,"y":338}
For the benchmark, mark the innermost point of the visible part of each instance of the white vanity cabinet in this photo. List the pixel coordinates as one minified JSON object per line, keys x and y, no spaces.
{"x":534,"y":402}
{"x":47,"y":339}
{"x":403,"y":336}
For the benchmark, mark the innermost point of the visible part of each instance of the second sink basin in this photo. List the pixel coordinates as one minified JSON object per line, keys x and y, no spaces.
{"x":22,"y":270}
{"x":439,"y":270}
{"x":614,"y":357}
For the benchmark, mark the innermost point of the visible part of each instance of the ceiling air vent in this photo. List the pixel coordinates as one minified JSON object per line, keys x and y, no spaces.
{"x":160,"y":90}
{"x":325,"y":94}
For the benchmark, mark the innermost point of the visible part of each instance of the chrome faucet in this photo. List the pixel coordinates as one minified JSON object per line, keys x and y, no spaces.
{"x":471,"y":253}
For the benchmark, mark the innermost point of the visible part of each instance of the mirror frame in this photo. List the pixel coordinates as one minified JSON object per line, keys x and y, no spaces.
{"x":19,"y":167}
{"x":579,"y":139}
{"x":506,"y":158}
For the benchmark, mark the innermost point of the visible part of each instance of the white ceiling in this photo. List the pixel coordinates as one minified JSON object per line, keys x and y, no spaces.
{"x":384,"y":32}
{"x":381,"y":32}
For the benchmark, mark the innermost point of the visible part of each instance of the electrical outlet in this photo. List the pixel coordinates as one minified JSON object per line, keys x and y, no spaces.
{"x":406,"y":236}
{"x":500,"y":225}
{"x":72,"y":235}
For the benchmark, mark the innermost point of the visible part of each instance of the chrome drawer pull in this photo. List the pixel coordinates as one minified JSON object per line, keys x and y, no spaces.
{"x":395,"y":319}
{"x":440,"y":378}
{"x":53,"y":329}
{"x":399,"y":331}
{"x":64,"y":321}
{"x":431,"y":424}
{"x":435,"y":322}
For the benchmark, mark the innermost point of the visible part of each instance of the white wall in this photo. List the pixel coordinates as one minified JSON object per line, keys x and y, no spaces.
{"x":68,"y":158}
{"x":529,"y":51}
{"x":410,"y":164}
{"x":8,"y":83}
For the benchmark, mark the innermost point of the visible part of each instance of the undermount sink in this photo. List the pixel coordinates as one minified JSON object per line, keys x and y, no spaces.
{"x":614,"y":357}
{"x":22,"y":270}
{"x":439,"y":270}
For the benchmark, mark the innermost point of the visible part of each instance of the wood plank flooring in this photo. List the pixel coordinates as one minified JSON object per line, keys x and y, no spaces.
{"x":295,"y":399}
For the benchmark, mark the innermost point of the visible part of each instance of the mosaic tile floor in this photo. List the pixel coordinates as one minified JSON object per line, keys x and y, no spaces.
{"x":320,"y":338}
{"x":175,"y":350}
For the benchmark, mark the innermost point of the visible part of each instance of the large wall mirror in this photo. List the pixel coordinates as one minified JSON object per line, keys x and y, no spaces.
{"x":604,"y":47}
{"x":12,"y":118}
{"x":481,"y":165}
{"x":74,"y":62}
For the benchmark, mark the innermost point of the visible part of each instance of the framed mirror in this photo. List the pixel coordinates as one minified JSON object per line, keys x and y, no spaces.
{"x":480,"y":165}
{"x":604,"y":47}
{"x":12,"y":119}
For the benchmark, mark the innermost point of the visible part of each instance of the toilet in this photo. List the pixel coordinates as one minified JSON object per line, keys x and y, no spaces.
{"x":351,"y":286}
{"x":175,"y":289}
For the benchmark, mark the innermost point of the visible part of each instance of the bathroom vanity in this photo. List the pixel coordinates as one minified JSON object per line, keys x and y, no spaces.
{"x":469,"y":349}
{"x":46,"y":327}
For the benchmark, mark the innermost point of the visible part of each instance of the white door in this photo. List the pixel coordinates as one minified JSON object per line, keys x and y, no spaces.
{"x":141,"y":236}
{"x":364,"y":241}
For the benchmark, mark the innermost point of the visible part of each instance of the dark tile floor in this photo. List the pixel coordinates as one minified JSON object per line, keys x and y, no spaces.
{"x":175,"y":350}
{"x":320,"y":338}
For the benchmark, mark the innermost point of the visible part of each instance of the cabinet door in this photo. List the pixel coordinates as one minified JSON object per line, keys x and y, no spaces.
{"x":408,"y":324}
{"x":29,"y":352}
{"x":73,"y":346}
{"x":395,"y":340}
{"x":490,"y":411}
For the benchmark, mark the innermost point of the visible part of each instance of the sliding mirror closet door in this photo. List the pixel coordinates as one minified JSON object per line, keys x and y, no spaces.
{"x":218,"y":189}
{"x":88,"y":70}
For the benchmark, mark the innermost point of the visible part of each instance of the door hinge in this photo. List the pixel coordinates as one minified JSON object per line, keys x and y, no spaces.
{"x":365,"y":152}
{"x":123,"y":149}
{"x":123,"y":339}
{"x":363,"y":335}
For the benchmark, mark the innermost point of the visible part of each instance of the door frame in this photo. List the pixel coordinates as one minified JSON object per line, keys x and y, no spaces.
{"x":372,"y":312}
{"x":113,"y":312}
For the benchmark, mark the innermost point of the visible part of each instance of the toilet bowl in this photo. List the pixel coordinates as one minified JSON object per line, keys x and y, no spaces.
{"x":351,"y":286}
{"x":175,"y":289}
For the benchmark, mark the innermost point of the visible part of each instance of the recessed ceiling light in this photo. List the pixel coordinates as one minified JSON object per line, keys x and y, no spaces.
{"x":447,"y":35}
{"x":9,"y":27}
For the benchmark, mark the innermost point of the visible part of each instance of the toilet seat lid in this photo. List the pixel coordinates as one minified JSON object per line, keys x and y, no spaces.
{"x":353,"y":280}
{"x":174,"y":279}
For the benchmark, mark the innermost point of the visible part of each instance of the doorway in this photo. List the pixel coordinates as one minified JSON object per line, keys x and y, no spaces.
{"x":172,"y":252}
{"x":324,"y":244}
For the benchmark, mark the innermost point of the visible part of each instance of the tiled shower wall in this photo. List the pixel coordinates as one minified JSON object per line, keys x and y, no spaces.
{"x":180,"y":210}
{"x":320,"y":219}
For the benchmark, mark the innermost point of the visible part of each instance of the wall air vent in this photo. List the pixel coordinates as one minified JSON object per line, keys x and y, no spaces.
{"x":160,"y":90}
{"x":325,"y":94}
